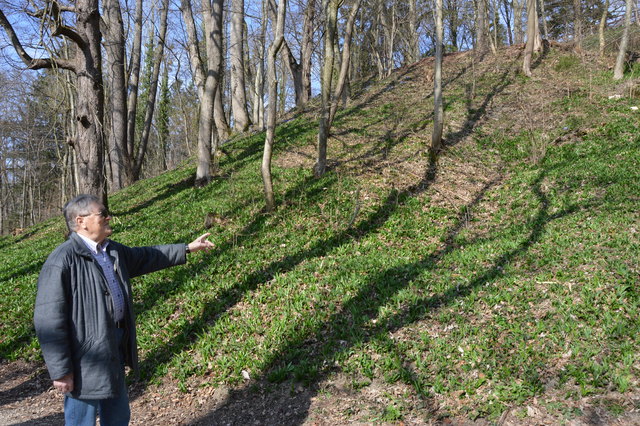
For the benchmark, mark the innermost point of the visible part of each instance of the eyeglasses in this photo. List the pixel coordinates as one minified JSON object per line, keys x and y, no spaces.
{"x":104,"y":213}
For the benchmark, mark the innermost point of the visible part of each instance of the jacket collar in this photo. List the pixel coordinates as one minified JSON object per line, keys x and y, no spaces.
{"x":79,"y":245}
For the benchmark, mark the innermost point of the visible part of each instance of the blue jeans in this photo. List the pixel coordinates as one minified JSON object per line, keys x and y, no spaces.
{"x":113,"y":411}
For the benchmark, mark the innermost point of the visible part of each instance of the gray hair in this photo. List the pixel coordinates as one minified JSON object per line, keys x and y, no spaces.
{"x":79,"y":206}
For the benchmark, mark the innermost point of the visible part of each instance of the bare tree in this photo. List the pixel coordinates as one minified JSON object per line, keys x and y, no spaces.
{"x":603,"y":23}
{"x":577,"y":24}
{"x":267,"y":180}
{"x":506,"y":15}
{"x":114,"y":38}
{"x":331,"y":17}
{"x":545,"y":27}
{"x":87,"y":67}
{"x":451,"y":12}
{"x":153,"y":90}
{"x":258,"y":85}
{"x":300,"y":70}
{"x":438,"y":110}
{"x":414,"y":51}
{"x":618,"y":71}
{"x":532,"y":17}
{"x":133,"y":86}
{"x":241,"y":120}
{"x":206,"y":75}
{"x":518,"y":6}
{"x":481,"y":27}
{"x":344,"y":64}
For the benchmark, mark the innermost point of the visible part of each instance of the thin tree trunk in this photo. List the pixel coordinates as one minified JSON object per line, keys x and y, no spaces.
{"x":207,"y":78}
{"x":494,"y":38}
{"x":545,"y":27}
{"x":271,"y":113}
{"x":219,"y":114}
{"x":331,"y":11}
{"x":132,"y":101}
{"x":241,"y":120}
{"x":438,"y":110}
{"x":153,"y":91}
{"x":307,"y":50}
{"x":518,"y":5}
{"x":344,"y":66}
{"x":603,"y":23}
{"x":577,"y":24}
{"x":258,"y":99}
{"x":481,"y":26}
{"x":295,"y":70}
{"x":618,"y":71}
{"x":115,"y":48}
{"x":414,"y":52}
{"x":507,"y":20}
{"x":528,"y":50}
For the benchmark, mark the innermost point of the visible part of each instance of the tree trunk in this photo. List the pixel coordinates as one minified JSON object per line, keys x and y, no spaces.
{"x":481,"y":27}
{"x":545,"y":27}
{"x":258,"y":99}
{"x":153,"y":90}
{"x":537,"y":40}
{"x":390,"y":38}
{"x":207,"y":77}
{"x":603,"y":23}
{"x":518,"y":5}
{"x":219,"y":114}
{"x":507,"y":21}
{"x":531,"y":35}
{"x":295,"y":70}
{"x":307,"y":50}
{"x":494,"y":38}
{"x":300,"y":71}
{"x":88,"y":140}
{"x":577,"y":24}
{"x":438,"y":109}
{"x":241,"y":120}
{"x":115,"y":49}
{"x":132,"y":101}
{"x":331,"y":12}
{"x":344,"y":65}
{"x":271,"y":113}
{"x":618,"y":71}
{"x":414,"y":51}
{"x":90,"y":107}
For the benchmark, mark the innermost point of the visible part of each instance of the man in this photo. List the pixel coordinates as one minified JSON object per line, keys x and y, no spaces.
{"x":83,"y":314}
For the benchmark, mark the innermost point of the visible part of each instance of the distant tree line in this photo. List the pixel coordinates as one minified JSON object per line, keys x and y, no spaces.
{"x":126,"y":90}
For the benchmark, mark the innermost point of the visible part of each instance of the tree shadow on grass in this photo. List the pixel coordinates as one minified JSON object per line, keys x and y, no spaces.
{"x":163,"y":354}
{"x":354,"y":323}
{"x":228,"y":298}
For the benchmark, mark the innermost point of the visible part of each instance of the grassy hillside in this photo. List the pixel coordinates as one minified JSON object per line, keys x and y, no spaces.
{"x":506,"y":275}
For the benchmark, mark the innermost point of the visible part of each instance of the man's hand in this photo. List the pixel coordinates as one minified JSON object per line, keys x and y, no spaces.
{"x":201,"y":243}
{"x":64,"y":384}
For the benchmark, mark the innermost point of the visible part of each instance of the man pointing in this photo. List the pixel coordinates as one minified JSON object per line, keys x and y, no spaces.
{"x":83,"y":314}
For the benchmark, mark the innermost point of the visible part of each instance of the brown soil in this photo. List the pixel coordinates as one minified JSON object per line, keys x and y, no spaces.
{"x":27,"y":398}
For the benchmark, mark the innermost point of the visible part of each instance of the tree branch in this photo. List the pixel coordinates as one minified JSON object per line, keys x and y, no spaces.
{"x":58,"y":28}
{"x":31,"y":63}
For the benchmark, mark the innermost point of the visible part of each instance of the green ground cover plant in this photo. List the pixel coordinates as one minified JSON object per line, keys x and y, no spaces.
{"x":505,"y":272}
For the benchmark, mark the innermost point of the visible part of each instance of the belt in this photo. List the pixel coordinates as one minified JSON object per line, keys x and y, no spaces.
{"x":120,"y":324}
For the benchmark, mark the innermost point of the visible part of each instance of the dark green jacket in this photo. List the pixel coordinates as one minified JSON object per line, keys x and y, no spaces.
{"x":73,"y":315}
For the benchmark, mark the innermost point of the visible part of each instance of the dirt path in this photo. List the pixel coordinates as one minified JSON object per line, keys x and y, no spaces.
{"x":27,"y":398}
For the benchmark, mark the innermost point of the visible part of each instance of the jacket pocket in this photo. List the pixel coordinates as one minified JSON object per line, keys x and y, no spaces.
{"x":84,"y":348}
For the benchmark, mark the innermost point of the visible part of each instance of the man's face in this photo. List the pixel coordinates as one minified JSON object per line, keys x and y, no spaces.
{"x":95,"y":225}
